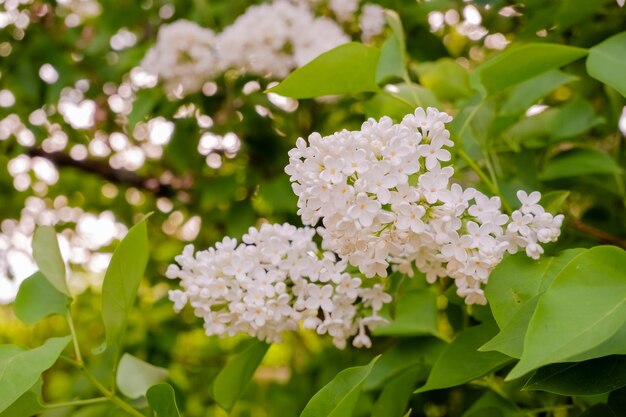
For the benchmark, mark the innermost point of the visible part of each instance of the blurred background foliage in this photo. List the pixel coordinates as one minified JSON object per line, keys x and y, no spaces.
{"x":537,"y":135}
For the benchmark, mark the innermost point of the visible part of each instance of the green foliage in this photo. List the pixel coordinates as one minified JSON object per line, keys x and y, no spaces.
{"x":233,"y":379}
{"x":559,"y":327}
{"x":162,"y":400}
{"x":349,"y":68}
{"x":48,"y":257}
{"x":339,"y":397}
{"x":415,"y":315}
{"x":592,"y":377}
{"x":606,"y":62}
{"x":519,"y":64}
{"x":121,"y":281}
{"x":392,"y":61}
{"x":460,"y":362}
{"x":38,"y":299}
{"x":20,"y":370}
{"x":557,"y":322}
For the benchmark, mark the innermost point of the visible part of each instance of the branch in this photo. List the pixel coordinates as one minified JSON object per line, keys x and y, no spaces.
{"x":598,"y":234}
{"x":103,"y":169}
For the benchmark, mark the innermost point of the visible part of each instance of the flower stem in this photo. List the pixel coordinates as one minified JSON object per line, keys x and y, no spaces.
{"x":70,"y":322}
{"x":76,"y":403}
{"x":108,"y":394}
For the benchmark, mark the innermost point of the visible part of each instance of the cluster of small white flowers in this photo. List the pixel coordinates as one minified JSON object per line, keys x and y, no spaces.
{"x":385,"y":199}
{"x":372,"y":21}
{"x":274,"y":38}
{"x":273,"y":281}
{"x":344,"y":9}
{"x":185,"y":56}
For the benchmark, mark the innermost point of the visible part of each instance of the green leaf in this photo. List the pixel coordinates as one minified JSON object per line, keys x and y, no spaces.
{"x":48,"y":257}
{"x":584,"y":307}
{"x":578,"y":162}
{"x":599,"y":410}
{"x":347,"y":69}
{"x":37,"y":298}
{"x":392,"y":61}
{"x":461,"y":362}
{"x":522,"y":63}
{"x":163,"y":401}
{"x":121,"y":282}
{"x":446,"y":78}
{"x":233,"y":379}
{"x":607,"y":62}
{"x":395,"y":396}
{"x":510,"y":340}
{"x":592,"y":377}
{"x":518,"y":278}
{"x":416,"y":315}
{"x":615,"y":345}
{"x":573,"y":119}
{"x":408,"y":353}
{"x":339,"y":397}
{"x":134,"y":376}
{"x":28,"y":404}
{"x":20,"y":370}
{"x":529,"y":92}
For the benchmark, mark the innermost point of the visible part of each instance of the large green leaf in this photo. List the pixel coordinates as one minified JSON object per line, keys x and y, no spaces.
{"x":392,"y":61}
{"x":134,"y":376}
{"x":446,"y":78}
{"x":20,"y":370}
{"x":48,"y":257}
{"x":518,"y":278}
{"x":233,"y":379}
{"x":28,"y":404}
{"x":607,"y":62}
{"x":416,"y":314}
{"x":510,"y":340}
{"x":521,"y":63}
{"x":339,"y":397}
{"x":349,"y":68}
{"x":395,"y":396}
{"x":529,"y":92}
{"x":121,"y":282}
{"x":614,"y":345}
{"x":592,"y":377}
{"x":408,"y":353}
{"x":163,"y":401}
{"x":585,"y":306}
{"x":573,"y":119}
{"x":461,"y":362}
{"x":579,"y":162}
{"x":37,"y":298}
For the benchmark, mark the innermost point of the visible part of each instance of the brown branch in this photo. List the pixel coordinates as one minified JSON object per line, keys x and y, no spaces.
{"x":103,"y":169}
{"x":597,"y":234}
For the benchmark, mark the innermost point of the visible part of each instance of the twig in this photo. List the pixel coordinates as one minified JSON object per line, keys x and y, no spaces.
{"x":598,"y":234}
{"x":103,"y":169}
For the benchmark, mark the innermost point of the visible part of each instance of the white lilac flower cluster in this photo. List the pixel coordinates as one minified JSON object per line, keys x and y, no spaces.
{"x":275,"y":38}
{"x":385,"y":200}
{"x":184,"y":57}
{"x":268,"y":39}
{"x":273,"y":281}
